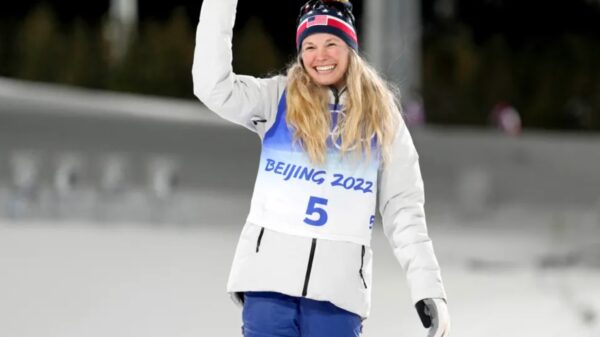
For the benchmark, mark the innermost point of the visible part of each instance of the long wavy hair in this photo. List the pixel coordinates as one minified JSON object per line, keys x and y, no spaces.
{"x":371,"y":111}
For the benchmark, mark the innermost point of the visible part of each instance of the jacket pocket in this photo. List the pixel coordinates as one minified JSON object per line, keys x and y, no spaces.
{"x":362,"y":261}
{"x":260,"y":235}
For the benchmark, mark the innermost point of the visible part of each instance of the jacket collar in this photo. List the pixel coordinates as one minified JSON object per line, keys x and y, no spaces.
{"x":337,"y":96}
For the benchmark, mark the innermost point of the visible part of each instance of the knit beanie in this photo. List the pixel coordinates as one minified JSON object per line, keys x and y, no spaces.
{"x":327,"y":16}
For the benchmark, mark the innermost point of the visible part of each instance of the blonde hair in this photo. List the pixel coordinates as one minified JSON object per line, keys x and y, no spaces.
{"x":371,"y":111}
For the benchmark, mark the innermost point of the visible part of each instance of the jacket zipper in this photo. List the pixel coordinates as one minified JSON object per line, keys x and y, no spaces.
{"x":309,"y":268}
{"x":360,"y":271}
{"x":262,"y":231}
{"x":337,"y":99}
{"x":336,"y":94}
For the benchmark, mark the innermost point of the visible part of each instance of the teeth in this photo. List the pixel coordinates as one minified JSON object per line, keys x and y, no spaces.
{"x":325,"y":68}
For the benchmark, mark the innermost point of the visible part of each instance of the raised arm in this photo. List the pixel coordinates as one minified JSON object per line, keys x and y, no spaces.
{"x":401,"y":204}
{"x":240,"y":99}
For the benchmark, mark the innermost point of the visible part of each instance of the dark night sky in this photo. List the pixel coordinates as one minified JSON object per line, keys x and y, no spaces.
{"x":520,"y":20}
{"x":93,"y":9}
{"x":279,"y":20}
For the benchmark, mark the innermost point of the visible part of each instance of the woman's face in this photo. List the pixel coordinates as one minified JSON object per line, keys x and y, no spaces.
{"x":325,"y":57}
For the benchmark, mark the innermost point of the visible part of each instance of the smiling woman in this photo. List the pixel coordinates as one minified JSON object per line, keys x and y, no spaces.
{"x":333,"y":146}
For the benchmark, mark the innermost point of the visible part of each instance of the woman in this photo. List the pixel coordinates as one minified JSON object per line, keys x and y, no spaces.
{"x":332,"y":146}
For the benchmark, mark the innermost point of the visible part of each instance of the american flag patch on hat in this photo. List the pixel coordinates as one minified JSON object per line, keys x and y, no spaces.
{"x":317,"y":20}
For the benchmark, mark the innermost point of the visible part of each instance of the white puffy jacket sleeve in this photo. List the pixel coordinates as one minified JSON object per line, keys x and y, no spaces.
{"x":401,"y":204}
{"x":237,"y":98}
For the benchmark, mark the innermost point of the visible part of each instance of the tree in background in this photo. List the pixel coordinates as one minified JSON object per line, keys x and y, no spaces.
{"x":254,"y":51}
{"x":548,"y":75}
{"x":159,"y":59}
{"x":38,"y":46}
{"x":46,"y":51}
{"x":157,"y":62}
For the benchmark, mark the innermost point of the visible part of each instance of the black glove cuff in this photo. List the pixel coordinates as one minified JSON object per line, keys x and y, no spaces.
{"x":425,"y":318}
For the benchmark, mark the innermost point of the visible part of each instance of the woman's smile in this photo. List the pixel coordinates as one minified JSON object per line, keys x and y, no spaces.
{"x":325,"y":69}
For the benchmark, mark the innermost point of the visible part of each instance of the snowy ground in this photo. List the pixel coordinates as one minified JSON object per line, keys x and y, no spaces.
{"x":89,"y":280}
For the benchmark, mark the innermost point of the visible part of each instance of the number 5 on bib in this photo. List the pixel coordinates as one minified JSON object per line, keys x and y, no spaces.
{"x":316,"y":211}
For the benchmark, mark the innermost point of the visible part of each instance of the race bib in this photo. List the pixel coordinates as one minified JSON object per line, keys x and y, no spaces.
{"x":333,"y":201}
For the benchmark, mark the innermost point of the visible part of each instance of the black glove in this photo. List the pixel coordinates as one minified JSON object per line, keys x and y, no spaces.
{"x":433,"y":313}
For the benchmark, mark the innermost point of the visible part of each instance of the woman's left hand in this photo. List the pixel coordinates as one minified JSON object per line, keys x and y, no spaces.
{"x":433,"y":313}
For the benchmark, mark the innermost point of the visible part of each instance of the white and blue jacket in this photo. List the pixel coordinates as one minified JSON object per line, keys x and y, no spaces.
{"x":308,"y":232}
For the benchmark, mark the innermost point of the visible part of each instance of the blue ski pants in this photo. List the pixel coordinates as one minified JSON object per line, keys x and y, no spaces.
{"x":269,"y":314}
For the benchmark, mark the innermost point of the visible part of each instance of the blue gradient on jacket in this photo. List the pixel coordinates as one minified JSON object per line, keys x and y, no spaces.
{"x":279,"y":136}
